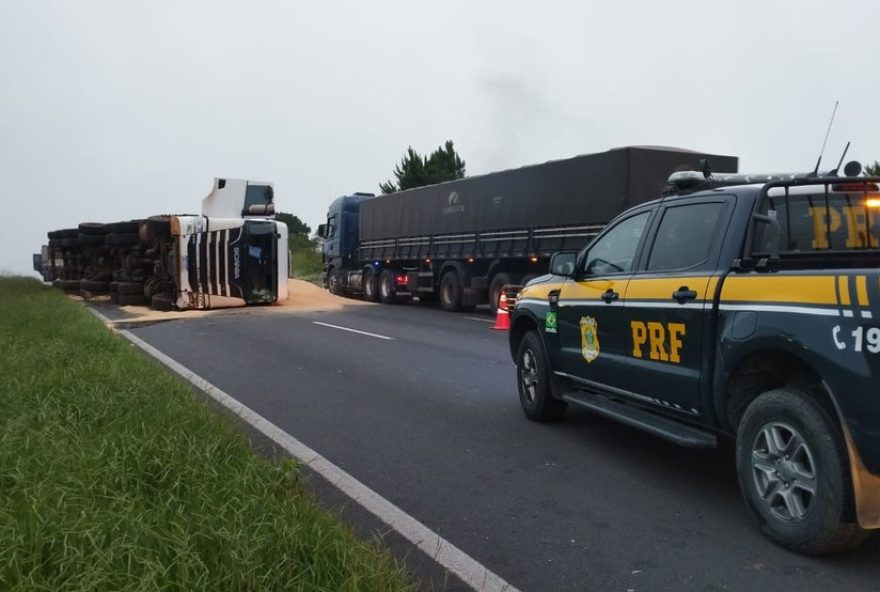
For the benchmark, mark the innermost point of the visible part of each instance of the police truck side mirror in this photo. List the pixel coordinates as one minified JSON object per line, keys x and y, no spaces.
{"x":322,"y":230}
{"x":563,"y":263}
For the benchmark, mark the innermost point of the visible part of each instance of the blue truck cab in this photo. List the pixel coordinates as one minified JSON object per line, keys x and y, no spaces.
{"x":341,"y":236}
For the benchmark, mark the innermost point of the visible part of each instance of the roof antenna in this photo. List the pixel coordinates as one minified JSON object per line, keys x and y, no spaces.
{"x":705,"y":168}
{"x":830,"y":123}
{"x":839,"y":162}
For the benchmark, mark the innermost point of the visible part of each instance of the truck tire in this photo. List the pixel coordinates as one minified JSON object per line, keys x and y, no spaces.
{"x":794,"y":473}
{"x":123,"y":239}
{"x":130,"y":288}
{"x":69,"y":242}
{"x":334,"y":282}
{"x":499,"y":281}
{"x":123,"y":227}
{"x":92,"y":228}
{"x":533,"y":381}
{"x":386,"y":287}
{"x":67,"y":233}
{"x":159,"y":227}
{"x":91,"y":240}
{"x":450,"y":291}
{"x":371,"y":286}
{"x":162,"y":302}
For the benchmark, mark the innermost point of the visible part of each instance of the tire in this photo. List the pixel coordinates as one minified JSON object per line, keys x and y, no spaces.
{"x":386,"y":287}
{"x":92,"y":228}
{"x":114,"y":287}
{"x":95,"y":287}
{"x":533,"y":381}
{"x":162,"y":302}
{"x":67,"y":233}
{"x":70,"y":285}
{"x":499,"y":281}
{"x":159,"y":227}
{"x":91,"y":240}
{"x":450,"y":292}
{"x":334,"y":282}
{"x":371,"y":286}
{"x":787,"y":444}
{"x":124,"y":239}
{"x":69,"y":242}
{"x":130,"y":289}
{"x":131,"y":299}
{"x":123,"y":227}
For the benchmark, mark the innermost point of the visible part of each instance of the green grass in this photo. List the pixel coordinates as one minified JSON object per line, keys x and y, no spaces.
{"x":114,"y":477}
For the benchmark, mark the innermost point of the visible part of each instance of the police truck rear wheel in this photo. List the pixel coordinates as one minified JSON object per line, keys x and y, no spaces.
{"x":533,"y":381}
{"x":794,"y":474}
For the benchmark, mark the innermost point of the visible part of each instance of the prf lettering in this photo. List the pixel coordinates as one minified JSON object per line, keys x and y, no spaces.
{"x":664,"y":341}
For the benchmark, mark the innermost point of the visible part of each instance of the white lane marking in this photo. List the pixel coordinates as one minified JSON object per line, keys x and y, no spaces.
{"x":468,"y":569}
{"x":367,"y":333}
{"x":479,"y":319}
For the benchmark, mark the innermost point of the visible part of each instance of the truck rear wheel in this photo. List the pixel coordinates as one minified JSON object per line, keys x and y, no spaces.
{"x":793,"y":471}
{"x":371,"y":286}
{"x":533,"y":381}
{"x":386,"y":287}
{"x":450,"y":292}
{"x":499,"y":281}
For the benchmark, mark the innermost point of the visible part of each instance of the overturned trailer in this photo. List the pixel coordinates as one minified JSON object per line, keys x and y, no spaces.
{"x":234,"y":254}
{"x":461,"y":241}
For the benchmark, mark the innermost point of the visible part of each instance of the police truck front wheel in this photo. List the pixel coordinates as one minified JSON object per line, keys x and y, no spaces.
{"x":794,"y":474}
{"x":533,"y":381}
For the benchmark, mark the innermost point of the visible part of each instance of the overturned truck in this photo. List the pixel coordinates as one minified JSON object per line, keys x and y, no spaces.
{"x":234,"y":254}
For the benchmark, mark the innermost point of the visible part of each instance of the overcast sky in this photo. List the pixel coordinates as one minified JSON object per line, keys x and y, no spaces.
{"x":120,"y":109}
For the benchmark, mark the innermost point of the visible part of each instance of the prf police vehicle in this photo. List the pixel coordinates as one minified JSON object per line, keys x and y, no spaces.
{"x":738,"y":307}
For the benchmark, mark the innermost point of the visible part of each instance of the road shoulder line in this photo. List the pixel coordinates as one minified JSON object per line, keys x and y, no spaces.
{"x":473,"y":573}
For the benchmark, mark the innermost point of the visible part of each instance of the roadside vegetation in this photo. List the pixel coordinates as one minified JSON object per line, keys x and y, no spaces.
{"x":305,"y":250}
{"x":113,"y":476}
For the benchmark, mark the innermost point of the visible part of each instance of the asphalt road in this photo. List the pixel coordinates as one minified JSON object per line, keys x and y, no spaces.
{"x":431,"y":421}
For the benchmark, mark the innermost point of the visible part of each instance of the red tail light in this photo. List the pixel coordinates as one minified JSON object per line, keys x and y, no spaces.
{"x":401,"y":279}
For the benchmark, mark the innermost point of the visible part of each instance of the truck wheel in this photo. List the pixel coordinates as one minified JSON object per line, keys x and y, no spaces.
{"x":131,"y":299}
{"x":123,"y":239}
{"x":130,"y":289}
{"x":334,"y":284}
{"x":794,"y":475}
{"x":93,"y":228}
{"x":533,"y":380}
{"x":162,"y":302}
{"x":371,"y":286}
{"x":450,"y":292}
{"x":386,"y":287}
{"x":499,"y":281}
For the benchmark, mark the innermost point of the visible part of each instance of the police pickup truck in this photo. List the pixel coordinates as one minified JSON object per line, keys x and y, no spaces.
{"x":733,"y":307}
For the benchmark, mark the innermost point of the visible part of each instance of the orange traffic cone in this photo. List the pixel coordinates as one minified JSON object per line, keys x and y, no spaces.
{"x":502,"y":317}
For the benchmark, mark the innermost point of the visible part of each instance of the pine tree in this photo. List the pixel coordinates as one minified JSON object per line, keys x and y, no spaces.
{"x":414,"y":170}
{"x":873,"y":170}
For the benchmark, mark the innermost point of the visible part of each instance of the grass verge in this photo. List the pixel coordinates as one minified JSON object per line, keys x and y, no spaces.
{"x":114,"y":477}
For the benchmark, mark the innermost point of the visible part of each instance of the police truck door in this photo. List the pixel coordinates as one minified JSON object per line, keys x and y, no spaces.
{"x":668,"y":303}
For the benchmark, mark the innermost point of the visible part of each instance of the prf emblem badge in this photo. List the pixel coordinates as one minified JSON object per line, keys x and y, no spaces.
{"x":589,"y":339}
{"x":550,"y":322}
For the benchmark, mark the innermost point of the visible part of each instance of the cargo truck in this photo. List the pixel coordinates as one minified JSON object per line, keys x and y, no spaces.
{"x":461,"y":241}
{"x":233,"y":254}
